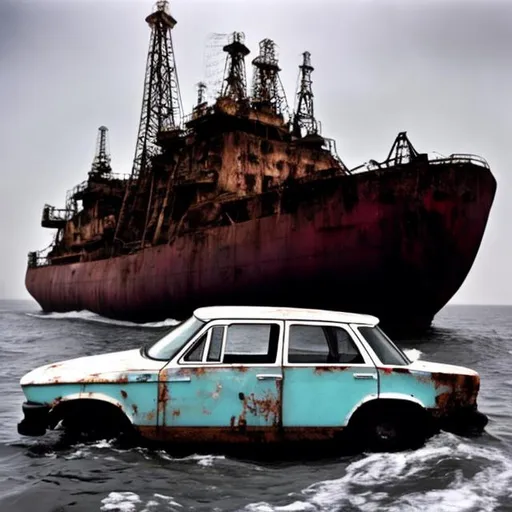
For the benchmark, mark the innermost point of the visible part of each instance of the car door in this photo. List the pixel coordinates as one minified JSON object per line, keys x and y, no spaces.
{"x":226,"y":384}
{"x":327,"y":374}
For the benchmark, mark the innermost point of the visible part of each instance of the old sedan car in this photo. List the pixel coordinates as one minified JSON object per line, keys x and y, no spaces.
{"x":257,"y":375}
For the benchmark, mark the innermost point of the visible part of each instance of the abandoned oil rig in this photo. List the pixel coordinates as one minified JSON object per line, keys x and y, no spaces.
{"x":241,"y":202}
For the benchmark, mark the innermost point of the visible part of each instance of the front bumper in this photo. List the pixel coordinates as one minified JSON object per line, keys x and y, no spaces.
{"x":35,"y":421}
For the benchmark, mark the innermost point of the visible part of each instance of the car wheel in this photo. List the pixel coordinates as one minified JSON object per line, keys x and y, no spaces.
{"x":390,"y":429}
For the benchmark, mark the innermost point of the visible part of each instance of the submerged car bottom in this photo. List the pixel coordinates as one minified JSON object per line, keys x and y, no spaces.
{"x":230,"y":380}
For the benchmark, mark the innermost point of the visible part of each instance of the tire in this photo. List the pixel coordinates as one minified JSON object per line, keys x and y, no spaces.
{"x":391,"y":427}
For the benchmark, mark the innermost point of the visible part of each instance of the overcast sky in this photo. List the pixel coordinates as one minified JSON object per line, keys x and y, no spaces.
{"x":442,"y":70}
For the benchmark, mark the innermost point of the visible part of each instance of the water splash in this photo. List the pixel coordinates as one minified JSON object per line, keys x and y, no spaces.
{"x":131,"y":502}
{"x":367,"y":482}
{"x":413,"y":353}
{"x":88,"y":316}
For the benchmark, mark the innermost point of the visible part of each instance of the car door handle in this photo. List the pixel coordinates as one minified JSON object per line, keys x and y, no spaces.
{"x":179,"y":379}
{"x":266,"y":376}
{"x":365,"y":376}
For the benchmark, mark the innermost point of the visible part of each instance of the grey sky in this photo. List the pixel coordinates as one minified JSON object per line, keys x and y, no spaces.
{"x":440,"y":70}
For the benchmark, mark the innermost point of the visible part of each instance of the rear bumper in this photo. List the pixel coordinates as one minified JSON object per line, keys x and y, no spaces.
{"x":35,"y":421}
{"x":466,"y":420}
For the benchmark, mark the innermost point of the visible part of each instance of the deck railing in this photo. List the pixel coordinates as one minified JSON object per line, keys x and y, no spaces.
{"x":454,"y":158}
{"x":39,"y":258}
{"x":53,"y":214}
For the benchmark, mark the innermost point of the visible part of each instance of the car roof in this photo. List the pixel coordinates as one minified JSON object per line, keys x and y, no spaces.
{"x":279,"y":313}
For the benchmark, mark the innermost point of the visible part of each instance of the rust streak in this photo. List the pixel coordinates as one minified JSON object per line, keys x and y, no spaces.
{"x":457,"y":391}
{"x":163,"y":397}
{"x":124,"y":394}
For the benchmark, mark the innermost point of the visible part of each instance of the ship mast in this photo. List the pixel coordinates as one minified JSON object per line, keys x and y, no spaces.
{"x":101,"y":161}
{"x":267,"y":89}
{"x":161,"y":110}
{"x":161,"y":104}
{"x":235,"y":84}
{"x":304,"y":119}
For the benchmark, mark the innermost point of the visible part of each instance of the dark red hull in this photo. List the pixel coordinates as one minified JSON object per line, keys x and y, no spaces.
{"x":397,"y":243}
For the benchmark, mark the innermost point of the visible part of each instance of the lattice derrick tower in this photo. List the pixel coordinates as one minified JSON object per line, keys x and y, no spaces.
{"x":161,"y":110}
{"x":304,"y":118}
{"x":235,"y":82}
{"x":267,"y":89}
{"x":402,"y":150}
{"x":101,"y":162}
{"x":161,"y":104}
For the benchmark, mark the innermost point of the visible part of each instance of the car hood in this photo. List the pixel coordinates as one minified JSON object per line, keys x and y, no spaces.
{"x":114,"y":367}
{"x":428,"y":366}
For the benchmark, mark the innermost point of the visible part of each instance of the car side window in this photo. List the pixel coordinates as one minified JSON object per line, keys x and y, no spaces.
{"x":195,"y":354}
{"x":251,"y":343}
{"x":236,"y":344}
{"x":317,"y":344}
{"x":215,"y":351}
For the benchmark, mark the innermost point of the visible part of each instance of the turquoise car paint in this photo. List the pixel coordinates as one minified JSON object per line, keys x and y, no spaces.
{"x":325,"y":396}
{"x":416,"y":384}
{"x":50,"y":394}
{"x":222,"y":397}
{"x":138,"y":400}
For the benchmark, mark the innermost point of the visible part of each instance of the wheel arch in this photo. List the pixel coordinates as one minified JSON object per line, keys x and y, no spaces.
{"x":90,"y":399}
{"x":372,"y":401}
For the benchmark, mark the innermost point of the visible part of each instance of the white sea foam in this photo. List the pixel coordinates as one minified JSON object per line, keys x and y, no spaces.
{"x":205,"y":460}
{"x":84,"y":451}
{"x":202,"y":460}
{"x":131,"y":502}
{"x":93,"y":317}
{"x":413,"y":353}
{"x":121,"y":501}
{"x":359,"y":486}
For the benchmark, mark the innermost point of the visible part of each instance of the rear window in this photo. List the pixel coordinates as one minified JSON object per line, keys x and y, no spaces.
{"x":384,"y":348}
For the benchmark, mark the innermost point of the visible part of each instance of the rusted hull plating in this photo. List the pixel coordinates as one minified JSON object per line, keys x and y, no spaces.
{"x":394,"y":243}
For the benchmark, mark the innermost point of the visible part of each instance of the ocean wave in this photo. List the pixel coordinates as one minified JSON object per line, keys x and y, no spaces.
{"x":366,"y":483}
{"x":92,"y":450}
{"x":88,"y":316}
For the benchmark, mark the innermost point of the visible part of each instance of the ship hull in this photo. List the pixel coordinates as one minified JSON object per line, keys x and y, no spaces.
{"x":396,"y":243}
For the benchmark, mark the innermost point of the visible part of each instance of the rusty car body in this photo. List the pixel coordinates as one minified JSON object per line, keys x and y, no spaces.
{"x":257,"y":375}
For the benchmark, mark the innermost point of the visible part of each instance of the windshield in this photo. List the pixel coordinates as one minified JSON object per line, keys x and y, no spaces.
{"x":167,"y":347}
{"x":384,"y":348}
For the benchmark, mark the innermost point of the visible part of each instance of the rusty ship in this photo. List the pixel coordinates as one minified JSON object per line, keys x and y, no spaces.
{"x":243,"y":202}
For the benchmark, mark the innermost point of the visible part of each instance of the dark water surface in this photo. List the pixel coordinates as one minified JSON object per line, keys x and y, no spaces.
{"x":449,"y":473}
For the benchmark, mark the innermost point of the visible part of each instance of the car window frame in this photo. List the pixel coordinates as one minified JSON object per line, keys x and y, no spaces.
{"x":180,"y":362}
{"x":347,"y":327}
{"x":376,"y":360}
